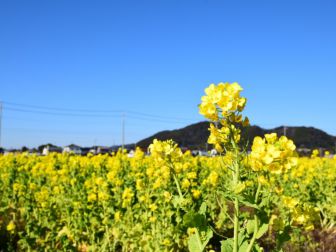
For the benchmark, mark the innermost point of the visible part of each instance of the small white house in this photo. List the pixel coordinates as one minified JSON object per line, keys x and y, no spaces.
{"x":131,"y":153}
{"x":49,"y":148}
{"x":72,"y":148}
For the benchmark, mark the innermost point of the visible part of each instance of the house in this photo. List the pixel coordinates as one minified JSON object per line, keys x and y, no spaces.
{"x":304,"y":151}
{"x":103,"y":150}
{"x":72,"y":148}
{"x":51,"y":148}
{"x":131,"y":153}
{"x":100,"y":150}
{"x":200,"y":153}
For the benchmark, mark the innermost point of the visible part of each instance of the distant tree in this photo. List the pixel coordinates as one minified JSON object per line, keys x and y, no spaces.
{"x":34,"y":150}
{"x":24,"y":149}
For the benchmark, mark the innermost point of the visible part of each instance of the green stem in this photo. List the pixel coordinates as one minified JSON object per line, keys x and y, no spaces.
{"x":178,"y":186}
{"x":257,"y":193}
{"x":236,"y":226}
{"x":236,"y":178}
{"x":254,"y":237}
{"x":236,"y":211}
{"x":256,"y":224}
{"x":200,"y":245}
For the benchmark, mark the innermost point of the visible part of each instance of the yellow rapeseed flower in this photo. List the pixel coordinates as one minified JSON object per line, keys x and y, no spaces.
{"x":222,"y":100}
{"x":196,"y":193}
{"x":273,"y":154}
{"x":11,"y":226}
{"x":117,"y":216}
{"x":289,"y":202}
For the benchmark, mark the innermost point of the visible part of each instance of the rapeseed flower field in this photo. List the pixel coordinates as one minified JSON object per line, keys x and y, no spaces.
{"x":267,"y":200}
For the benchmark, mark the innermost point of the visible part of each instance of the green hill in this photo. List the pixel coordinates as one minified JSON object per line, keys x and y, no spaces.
{"x":195,"y":136}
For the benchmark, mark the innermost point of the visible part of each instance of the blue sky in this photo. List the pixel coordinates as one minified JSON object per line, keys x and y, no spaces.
{"x":156,"y":57}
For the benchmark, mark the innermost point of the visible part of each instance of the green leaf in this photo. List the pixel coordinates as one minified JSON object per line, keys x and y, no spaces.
{"x":203,"y":209}
{"x":177,"y":201}
{"x":262,"y":230}
{"x":206,"y":238}
{"x":250,"y":226}
{"x":192,"y":219}
{"x":197,"y":242}
{"x":241,"y":237}
{"x":264,"y":202}
{"x":243,"y":246}
{"x":227,"y":245}
{"x":249,"y":204}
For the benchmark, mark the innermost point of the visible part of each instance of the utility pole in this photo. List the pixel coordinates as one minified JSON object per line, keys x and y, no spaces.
{"x":123,"y":132}
{"x":0,"y":121}
{"x":285,"y":130}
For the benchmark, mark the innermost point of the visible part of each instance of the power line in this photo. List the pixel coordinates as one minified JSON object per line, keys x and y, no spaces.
{"x":39,"y":120}
{"x":56,"y":113}
{"x":85,"y":113}
{"x":94,"y":122}
{"x":154,"y":119}
{"x":13,"y":106}
{"x":57,"y":131}
{"x":61,"y":109}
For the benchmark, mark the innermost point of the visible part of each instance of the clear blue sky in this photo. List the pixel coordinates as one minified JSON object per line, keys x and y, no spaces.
{"x":156,"y":57}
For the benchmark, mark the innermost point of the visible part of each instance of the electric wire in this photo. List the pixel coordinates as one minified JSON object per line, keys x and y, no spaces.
{"x":81,"y":112}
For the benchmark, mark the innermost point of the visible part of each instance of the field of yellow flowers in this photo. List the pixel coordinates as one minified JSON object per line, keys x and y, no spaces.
{"x":265,"y":200}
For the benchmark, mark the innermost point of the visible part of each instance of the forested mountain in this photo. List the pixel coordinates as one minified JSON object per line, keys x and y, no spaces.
{"x":195,"y":136}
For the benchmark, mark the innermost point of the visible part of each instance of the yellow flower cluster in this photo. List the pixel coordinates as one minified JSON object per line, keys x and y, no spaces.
{"x":305,"y":216}
{"x":315,"y":153}
{"x":127,"y":197}
{"x":162,"y":150}
{"x":223,"y":105}
{"x":301,"y":214}
{"x":289,"y":202}
{"x":220,"y":136}
{"x":222,"y":100}
{"x":273,"y":154}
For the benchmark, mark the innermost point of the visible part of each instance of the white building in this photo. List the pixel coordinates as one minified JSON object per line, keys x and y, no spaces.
{"x":72,"y":148}
{"x":49,"y":148}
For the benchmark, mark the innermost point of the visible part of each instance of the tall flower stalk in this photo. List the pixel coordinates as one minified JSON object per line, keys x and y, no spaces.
{"x":223,"y":106}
